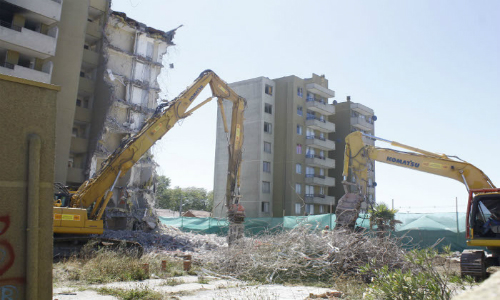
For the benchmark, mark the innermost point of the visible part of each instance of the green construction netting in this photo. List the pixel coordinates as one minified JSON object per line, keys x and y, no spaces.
{"x":418,"y":230}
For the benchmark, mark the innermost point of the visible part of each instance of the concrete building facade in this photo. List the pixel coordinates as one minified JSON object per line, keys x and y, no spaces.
{"x":127,"y":95}
{"x":106,"y":65}
{"x":28,"y":38}
{"x":285,"y":159}
{"x":350,"y":117}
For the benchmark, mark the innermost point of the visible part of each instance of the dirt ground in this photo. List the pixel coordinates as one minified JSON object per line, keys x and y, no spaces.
{"x":189,"y":288}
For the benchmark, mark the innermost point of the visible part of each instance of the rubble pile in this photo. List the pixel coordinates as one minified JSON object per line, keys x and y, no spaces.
{"x":170,"y":239}
{"x":304,"y":255}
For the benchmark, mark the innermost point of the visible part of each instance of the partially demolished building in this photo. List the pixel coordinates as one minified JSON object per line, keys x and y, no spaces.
{"x":125,"y":97}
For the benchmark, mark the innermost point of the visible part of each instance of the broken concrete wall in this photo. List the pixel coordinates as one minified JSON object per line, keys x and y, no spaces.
{"x":132,"y":60}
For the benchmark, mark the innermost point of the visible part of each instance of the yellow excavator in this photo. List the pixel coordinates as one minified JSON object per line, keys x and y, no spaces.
{"x":483,"y":208}
{"x":79,"y":214}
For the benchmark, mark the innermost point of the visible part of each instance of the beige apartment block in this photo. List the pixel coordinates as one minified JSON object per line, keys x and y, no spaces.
{"x":285,"y":158}
{"x":28,"y":37}
{"x":350,"y":117}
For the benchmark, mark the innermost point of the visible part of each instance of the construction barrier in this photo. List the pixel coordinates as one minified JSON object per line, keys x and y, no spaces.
{"x":417,"y":230}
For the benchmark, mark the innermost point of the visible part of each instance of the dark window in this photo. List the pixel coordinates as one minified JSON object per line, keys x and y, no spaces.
{"x":268,"y":108}
{"x":266,"y":166}
{"x":269,"y":89}
{"x":300,"y":92}
{"x":299,"y":111}
{"x":265,"y":207}
{"x":267,"y":147}
{"x":268,"y":127}
{"x":78,"y":102}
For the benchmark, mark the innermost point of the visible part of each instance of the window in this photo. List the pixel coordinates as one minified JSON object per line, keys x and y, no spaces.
{"x":265,"y":207}
{"x":321,"y":209}
{"x":149,"y":50}
{"x":310,"y":209}
{"x":266,"y":167}
{"x":74,"y":132}
{"x":298,"y":208}
{"x":298,"y":188}
{"x":269,"y":89}
{"x":86,"y":103}
{"x":266,"y":187}
{"x":299,"y":148}
{"x":300,"y":92}
{"x":268,"y":108}
{"x":298,"y":168}
{"x":310,"y":152}
{"x":309,"y":191}
{"x":299,"y":110}
{"x":268,"y":127}
{"x":267,"y":147}
{"x":309,"y":172}
{"x":322,"y":172}
{"x":299,"y":130}
{"x":78,"y":102}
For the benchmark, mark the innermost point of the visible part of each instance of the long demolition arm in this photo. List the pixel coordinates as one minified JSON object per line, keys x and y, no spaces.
{"x":98,"y":190}
{"x":359,"y":157}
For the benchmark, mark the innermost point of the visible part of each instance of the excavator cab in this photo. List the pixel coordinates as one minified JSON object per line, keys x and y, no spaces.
{"x":484,"y":216}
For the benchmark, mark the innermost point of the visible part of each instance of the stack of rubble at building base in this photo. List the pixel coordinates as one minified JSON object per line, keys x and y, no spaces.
{"x":165,"y":238}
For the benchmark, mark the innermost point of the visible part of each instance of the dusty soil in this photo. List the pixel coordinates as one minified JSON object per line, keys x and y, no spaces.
{"x":190,"y":288}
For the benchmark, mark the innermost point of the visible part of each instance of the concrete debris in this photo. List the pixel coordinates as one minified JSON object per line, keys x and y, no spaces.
{"x":166,"y":238}
{"x":326,"y":295}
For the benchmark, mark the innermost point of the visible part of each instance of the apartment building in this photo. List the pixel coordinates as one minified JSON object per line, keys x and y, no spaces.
{"x":28,"y":38}
{"x":350,"y":117}
{"x":285,"y":159}
{"x":127,"y":95}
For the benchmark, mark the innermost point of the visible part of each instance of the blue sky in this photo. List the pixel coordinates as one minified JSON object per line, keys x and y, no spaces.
{"x":429,"y":69}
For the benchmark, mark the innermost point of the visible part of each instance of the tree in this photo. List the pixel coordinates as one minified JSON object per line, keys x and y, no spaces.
{"x":191,"y":197}
{"x":383,"y":217}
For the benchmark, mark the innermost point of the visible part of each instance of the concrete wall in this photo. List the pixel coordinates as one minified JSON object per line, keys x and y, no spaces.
{"x":27,"y":119}
{"x":67,"y":64}
{"x":252,"y":174}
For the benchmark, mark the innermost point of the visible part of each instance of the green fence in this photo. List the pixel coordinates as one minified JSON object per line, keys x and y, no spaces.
{"x":418,"y":230}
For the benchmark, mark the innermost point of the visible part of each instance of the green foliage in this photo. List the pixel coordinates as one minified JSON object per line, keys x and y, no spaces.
{"x":420,"y":281}
{"x":191,"y":197}
{"x":131,"y":294}
{"x":382,"y":216}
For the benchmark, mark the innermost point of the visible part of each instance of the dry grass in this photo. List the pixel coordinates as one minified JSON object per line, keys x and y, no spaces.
{"x":109,"y":266}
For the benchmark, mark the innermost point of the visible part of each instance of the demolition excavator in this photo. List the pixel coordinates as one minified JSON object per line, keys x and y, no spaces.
{"x":483,"y":208}
{"x":79,"y":214}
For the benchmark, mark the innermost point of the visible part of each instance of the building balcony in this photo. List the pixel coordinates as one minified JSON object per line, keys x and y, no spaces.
{"x":320,"y":124}
{"x":75,"y":175}
{"x":99,"y":4}
{"x":94,"y":30}
{"x":79,"y":145}
{"x":27,"y":73}
{"x":90,"y":58}
{"x":320,"y":161}
{"x":83,"y":114}
{"x":361,"y":109}
{"x":28,"y":42}
{"x":44,"y":11}
{"x":320,"y":143}
{"x":319,"y":90}
{"x":319,"y":106}
{"x":319,"y":199}
{"x":86,"y":85}
{"x":319,"y":180}
{"x":361,"y":123}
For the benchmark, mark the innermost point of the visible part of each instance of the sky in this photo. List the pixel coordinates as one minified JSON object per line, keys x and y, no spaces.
{"x":429,"y":69}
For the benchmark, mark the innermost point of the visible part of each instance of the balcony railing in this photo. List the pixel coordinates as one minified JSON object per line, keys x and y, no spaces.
{"x":312,"y":117}
{"x":7,"y":65}
{"x":10,"y":26}
{"x":310,"y":99}
{"x":315,"y":156}
{"x":318,"y":137}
